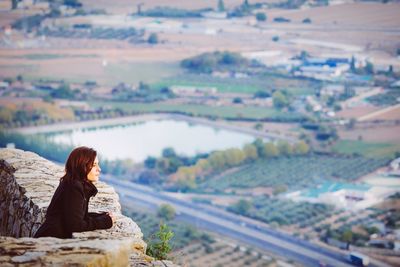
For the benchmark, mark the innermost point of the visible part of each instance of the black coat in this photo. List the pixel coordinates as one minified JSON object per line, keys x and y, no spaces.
{"x":68,"y":211}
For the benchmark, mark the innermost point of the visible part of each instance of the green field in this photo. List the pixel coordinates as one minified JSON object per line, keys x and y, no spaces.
{"x":287,"y":212}
{"x":295,"y":172}
{"x":249,"y":85}
{"x":133,"y":73}
{"x":111,"y":75}
{"x":365,"y":148}
{"x":201,"y":110}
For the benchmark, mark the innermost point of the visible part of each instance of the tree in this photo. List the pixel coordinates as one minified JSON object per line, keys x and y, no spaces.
{"x":153,"y":38}
{"x":221,"y":6}
{"x":63,"y":91}
{"x":285,"y":148}
{"x":162,"y":165}
{"x":166,"y":212}
{"x":242,"y":207}
{"x":270,"y":150}
{"x":258,"y":126}
{"x":150,"y":162}
{"x":217,"y":160}
{"x":347,"y":236}
{"x":14,"y":4}
{"x":262,"y":94}
{"x":260,"y":16}
{"x":186,"y":185}
{"x":20,"y":78}
{"x":250,"y":151}
{"x":237,"y":100}
{"x":353,"y":64}
{"x":275,"y":38}
{"x":149,"y":177}
{"x":259,"y":144}
{"x":279,"y":100}
{"x":301,"y":148}
{"x":168,"y":152}
{"x":234,"y":156}
{"x":6,"y":115}
{"x":369,"y":68}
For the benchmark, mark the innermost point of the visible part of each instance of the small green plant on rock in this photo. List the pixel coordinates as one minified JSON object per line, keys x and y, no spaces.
{"x":159,"y":246}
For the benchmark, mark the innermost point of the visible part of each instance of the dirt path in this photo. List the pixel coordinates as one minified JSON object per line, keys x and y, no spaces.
{"x":380,"y":112}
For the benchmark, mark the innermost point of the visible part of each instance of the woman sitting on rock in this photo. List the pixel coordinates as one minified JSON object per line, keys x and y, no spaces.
{"x":68,"y":209}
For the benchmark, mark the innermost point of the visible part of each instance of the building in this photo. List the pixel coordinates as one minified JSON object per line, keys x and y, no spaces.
{"x":323,"y":68}
{"x":193,"y":90}
{"x":343,"y":195}
{"x":214,"y":15}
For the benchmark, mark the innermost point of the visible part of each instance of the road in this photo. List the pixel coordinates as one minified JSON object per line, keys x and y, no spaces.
{"x":233,"y":226}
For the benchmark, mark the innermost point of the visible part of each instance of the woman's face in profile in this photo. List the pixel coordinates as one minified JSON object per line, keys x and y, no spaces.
{"x":94,"y":173}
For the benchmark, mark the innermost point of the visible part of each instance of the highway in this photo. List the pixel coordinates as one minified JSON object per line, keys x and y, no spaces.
{"x":232,"y":225}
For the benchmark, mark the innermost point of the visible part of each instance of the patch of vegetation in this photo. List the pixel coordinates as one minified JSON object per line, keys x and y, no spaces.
{"x":159,"y":246}
{"x":368,"y":149}
{"x":290,"y":4}
{"x":218,"y":61}
{"x":184,"y":234}
{"x":264,"y":81}
{"x":295,"y":172}
{"x":244,"y":9}
{"x":144,"y":93}
{"x":347,"y":236}
{"x":32,"y":114}
{"x":388,"y":98}
{"x":153,"y":39}
{"x":260,"y":16}
{"x":129,"y":34}
{"x":282,"y":212}
{"x":28,"y":23}
{"x":170,"y":12}
{"x":281,"y":19}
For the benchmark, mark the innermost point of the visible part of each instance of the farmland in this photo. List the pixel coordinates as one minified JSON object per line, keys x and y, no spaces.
{"x":248,"y":85}
{"x":227,"y":112}
{"x":295,"y":172}
{"x":285,"y":212}
{"x":365,"y":148}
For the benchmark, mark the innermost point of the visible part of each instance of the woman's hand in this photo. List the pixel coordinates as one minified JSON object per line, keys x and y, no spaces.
{"x":113,"y":217}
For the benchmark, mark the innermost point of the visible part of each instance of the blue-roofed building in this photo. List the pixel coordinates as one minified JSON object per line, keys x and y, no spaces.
{"x":343,"y":195}
{"x":323,"y":68}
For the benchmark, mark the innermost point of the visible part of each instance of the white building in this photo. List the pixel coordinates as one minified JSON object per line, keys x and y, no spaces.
{"x":342,"y":195}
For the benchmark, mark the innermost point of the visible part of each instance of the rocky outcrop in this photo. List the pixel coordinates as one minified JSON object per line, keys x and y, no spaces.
{"x":27,"y":183}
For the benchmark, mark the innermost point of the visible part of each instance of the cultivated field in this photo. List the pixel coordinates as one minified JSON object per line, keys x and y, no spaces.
{"x":372,"y":28}
{"x":378,"y":134}
{"x":129,"y":6}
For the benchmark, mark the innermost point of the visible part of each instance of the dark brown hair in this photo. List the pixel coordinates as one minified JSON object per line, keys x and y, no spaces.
{"x":79,"y":163}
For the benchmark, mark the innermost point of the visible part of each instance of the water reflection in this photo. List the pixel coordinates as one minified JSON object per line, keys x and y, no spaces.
{"x":138,"y":141}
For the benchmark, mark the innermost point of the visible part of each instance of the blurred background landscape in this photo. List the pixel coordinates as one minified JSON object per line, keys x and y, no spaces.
{"x":264,"y":133}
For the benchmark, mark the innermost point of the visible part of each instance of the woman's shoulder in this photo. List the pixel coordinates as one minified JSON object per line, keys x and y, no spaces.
{"x":72,"y":184}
